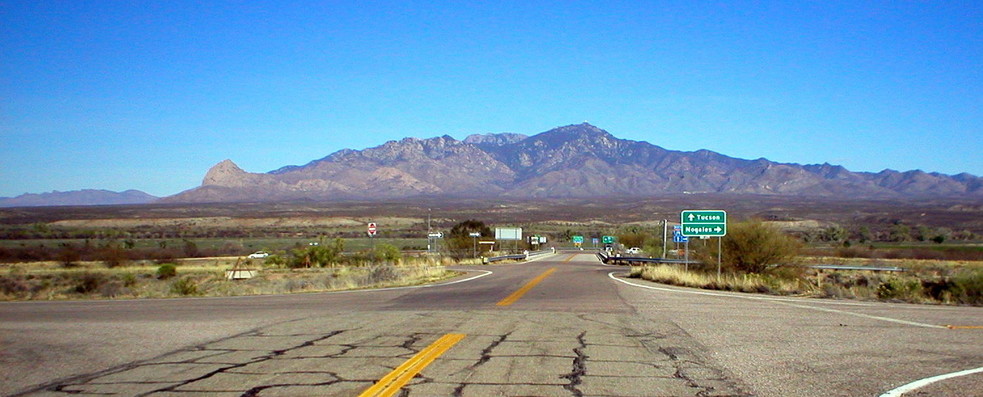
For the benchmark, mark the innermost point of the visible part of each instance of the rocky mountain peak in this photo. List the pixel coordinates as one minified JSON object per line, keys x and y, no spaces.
{"x":579,"y":134}
{"x":225,"y":173}
{"x":494,"y":139}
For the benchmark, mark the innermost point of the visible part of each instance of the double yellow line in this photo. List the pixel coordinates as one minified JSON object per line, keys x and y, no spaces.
{"x":390,"y":384}
{"x":525,"y":288}
{"x":395,"y":380}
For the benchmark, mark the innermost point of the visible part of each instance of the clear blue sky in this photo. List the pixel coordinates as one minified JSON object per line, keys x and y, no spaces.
{"x":149,"y":95}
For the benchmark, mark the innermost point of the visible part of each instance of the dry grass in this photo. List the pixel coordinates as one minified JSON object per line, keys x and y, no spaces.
{"x":762,"y":283}
{"x":924,"y":281}
{"x":49,"y":281}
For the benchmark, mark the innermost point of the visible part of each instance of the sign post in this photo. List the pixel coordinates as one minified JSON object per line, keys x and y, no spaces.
{"x":474,"y":236}
{"x":697,"y":223}
{"x":372,"y":230}
{"x":705,"y":224}
{"x":608,"y":242}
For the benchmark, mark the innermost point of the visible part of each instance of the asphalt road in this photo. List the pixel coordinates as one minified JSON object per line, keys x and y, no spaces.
{"x":564,"y":325}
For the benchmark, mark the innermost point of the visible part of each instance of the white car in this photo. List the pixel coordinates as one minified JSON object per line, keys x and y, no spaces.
{"x":634,"y":251}
{"x":258,"y":255}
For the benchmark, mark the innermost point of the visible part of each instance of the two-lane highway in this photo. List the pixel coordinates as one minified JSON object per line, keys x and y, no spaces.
{"x":564,"y":325}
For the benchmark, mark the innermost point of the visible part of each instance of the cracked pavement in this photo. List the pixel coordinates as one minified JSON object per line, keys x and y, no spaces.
{"x":504,"y":353}
{"x":578,"y":333}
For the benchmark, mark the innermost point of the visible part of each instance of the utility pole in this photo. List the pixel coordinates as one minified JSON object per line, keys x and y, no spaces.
{"x":665,"y":234}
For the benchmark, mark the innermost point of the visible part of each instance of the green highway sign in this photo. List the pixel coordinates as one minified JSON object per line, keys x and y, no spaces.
{"x":607,"y":239}
{"x":698,"y":223}
{"x":578,"y":239}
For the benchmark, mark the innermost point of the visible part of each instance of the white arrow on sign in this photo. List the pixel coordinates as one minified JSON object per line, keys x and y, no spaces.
{"x":690,"y":216}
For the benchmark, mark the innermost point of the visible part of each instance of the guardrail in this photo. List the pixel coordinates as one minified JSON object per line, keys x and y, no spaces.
{"x":863,"y":268}
{"x":517,"y":256}
{"x":632,"y":260}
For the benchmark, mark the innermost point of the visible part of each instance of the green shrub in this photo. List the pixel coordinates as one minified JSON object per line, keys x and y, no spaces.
{"x":967,"y":287}
{"x":752,"y":246}
{"x":129,"y":280}
{"x":184,"y":286}
{"x":904,"y":289}
{"x":387,"y":253}
{"x":275,"y":261}
{"x":320,"y":255}
{"x":166,"y":271}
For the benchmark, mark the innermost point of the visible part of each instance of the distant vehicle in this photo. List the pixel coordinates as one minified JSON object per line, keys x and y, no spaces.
{"x":259,"y":255}
{"x":634,"y":250}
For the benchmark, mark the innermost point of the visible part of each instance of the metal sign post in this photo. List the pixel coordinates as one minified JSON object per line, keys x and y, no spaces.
{"x":718,"y":259}
{"x":474,"y":237}
{"x":686,"y":261}
{"x":372,"y":231}
{"x":665,"y":237}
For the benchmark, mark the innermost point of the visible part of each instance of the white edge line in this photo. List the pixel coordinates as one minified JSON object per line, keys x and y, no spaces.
{"x":761,"y":298}
{"x":927,"y":381}
{"x":781,"y":302}
{"x":485,"y":273}
{"x":350,"y":291}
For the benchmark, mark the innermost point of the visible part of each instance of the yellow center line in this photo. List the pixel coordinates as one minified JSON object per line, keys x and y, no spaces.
{"x":391,"y":383}
{"x":525,"y":288}
{"x":570,"y":258}
{"x":964,"y":326}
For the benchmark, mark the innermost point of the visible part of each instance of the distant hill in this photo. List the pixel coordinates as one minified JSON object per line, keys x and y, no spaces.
{"x":566,"y":162}
{"x":77,"y":197}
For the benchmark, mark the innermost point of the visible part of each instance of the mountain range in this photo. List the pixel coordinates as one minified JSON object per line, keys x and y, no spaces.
{"x":78,"y":197}
{"x":574,"y":161}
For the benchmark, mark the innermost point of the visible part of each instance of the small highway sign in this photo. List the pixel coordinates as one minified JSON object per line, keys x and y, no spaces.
{"x":678,"y":237}
{"x":372,"y":230}
{"x":697,"y":223}
{"x":607,"y":239}
{"x":577,"y":239}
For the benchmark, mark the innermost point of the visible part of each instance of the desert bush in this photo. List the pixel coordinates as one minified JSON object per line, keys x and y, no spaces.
{"x":69,"y":255}
{"x":13,"y":285}
{"x":906,"y":289}
{"x":129,"y":280}
{"x":275,"y":261}
{"x":967,"y":287}
{"x":113,"y":289}
{"x":190,"y":249}
{"x":112,"y":255}
{"x":166,"y":271}
{"x":184,"y":286}
{"x":89,"y":282}
{"x":752,"y":246}
{"x":458,"y":241}
{"x":387,"y":253}
{"x":320,"y":255}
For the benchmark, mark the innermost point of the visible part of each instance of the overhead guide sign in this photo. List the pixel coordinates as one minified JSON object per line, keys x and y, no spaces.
{"x":710,"y":223}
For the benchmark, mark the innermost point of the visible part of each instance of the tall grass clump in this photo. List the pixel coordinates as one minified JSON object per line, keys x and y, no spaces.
{"x":762,"y":283}
{"x":184,"y":286}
